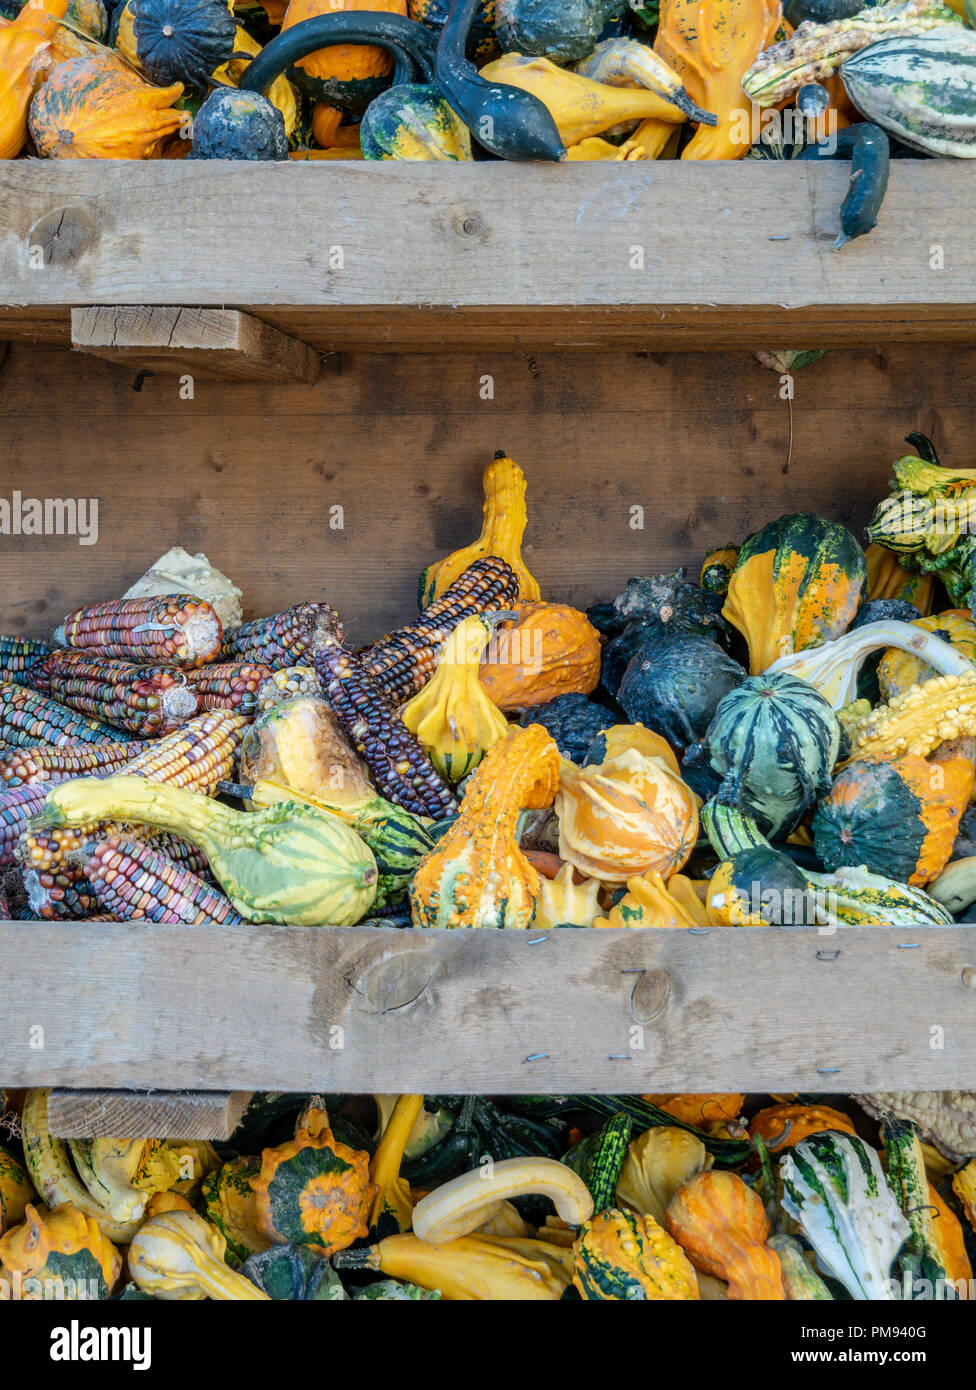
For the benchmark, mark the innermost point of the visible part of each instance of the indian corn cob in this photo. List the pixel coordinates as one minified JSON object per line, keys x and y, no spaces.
{"x":138,"y":883}
{"x":29,"y":766}
{"x":815,"y":51}
{"x":285,"y":683}
{"x":397,"y":764}
{"x":28,"y":719}
{"x":61,"y":896}
{"x":280,"y":640}
{"x":174,"y":630}
{"x":402,"y":662}
{"x":142,"y":700}
{"x":19,"y":656}
{"x":230,"y":685}
{"x":197,"y":756}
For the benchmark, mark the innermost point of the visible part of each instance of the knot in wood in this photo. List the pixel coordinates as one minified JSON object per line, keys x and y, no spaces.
{"x":969,"y":977}
{"x":394,"y":982}
{"x":650,"y":995}
{"x":63,"y":235}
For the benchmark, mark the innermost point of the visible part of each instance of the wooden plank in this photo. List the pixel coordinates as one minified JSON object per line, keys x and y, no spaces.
{"x":210,"y":1115}
{"x":210,"y":344}
{"x":250,"y":474}
{"x":571,"y":242}
{"x":276,"y":1008}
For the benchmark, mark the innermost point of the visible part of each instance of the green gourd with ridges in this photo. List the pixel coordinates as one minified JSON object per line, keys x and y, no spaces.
{"x":625,"y":1257}
{"x":599,"y":1158}
{"x":857,"y":898}
{"x":290,"y":863}
{"x":229,"y":1203}
{"x":920,"y":89}
{"x":907,"y":1178}
{"x":729,"y":831}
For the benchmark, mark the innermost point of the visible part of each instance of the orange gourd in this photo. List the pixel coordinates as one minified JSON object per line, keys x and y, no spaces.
{"x":783,"y":1126}
{"x":551,"y":649}
{"x":721,"y":1225}
{"x":711,"y":44}
{"x":89,"y":109}
{"x":950,"y":1243}
{"x":25,"y":53}
{"x":888,"y":578}
{"x":709,"y":1107}
{"x":345,"y":74}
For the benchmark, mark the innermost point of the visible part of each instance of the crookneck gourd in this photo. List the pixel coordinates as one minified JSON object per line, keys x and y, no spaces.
{"x":24,"y":57}
{"x":392,"y":1206}
{"x":291,"y":863}
{"x":460,"y":1206}
{"x":453,"y":718}
{"x":502,"y":531}
{"x":722,"y":1226}
{"x":797,"y":583}
{"x":471,"y":1268}
{"x":476,"y":875}
{"x":177,"y":1256}
{"x":90,"y":110}
{"x":314,"y":1190}
{"x":63,"y":1247}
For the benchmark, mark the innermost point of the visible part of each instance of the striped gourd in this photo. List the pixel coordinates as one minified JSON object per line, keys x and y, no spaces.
{"x":857,"y":898}
{"x":599,"y":1158}
{"x":921,"y":90}
{"x":729,"y":831}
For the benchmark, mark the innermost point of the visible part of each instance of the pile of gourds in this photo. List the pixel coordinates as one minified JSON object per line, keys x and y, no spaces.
{"x":606,"y":1198}
{"x":511,"y":79}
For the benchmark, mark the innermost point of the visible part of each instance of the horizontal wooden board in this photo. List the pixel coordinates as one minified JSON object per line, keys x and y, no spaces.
{"x":212,"y":1115}
{"x":792,"y":1009}
{"x":250,"y":473}
{"x":537,"y":251}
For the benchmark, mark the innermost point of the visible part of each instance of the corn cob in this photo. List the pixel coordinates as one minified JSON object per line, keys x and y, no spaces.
{"x":4,"y":903}
{"x":403,"y":662}
{"x":198,"y":756}
{"x":143,"y":700}
{"x":102,"y":917}
{"x":282,"y":639}
{"x":30,"y":766}
{"x":28,"y":719}
{"x":232,"y":685}
{"x":65,"y":896}
{"x":175,"y":630}
{"x":138,"y":883}
{"x":397,"y":764}
{"x":19,"y":656}
{"x":282,"y":685}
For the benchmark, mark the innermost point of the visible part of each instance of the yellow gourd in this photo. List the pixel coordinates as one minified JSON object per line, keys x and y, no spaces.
{"x":81,"y":1252}
{"x":16,"y":1189}
{"x":657,"y":1163}
{"x":594,"y":148}
{"x":393,"y":1202}
{"x":563,"y":903}
{"x":473,"y":1268}
{"x":177,"y":1256}
{"x":458,"y":1207}
{"x":502,"y":529}
{"x":24,"y":54}
{"x":648,"y":903}
{"x":453,"y":717}
{"x":711,"y":44}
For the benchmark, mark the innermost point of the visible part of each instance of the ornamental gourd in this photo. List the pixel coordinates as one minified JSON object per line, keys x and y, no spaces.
{"x":461,"y":1206}
{"x":230,"y":1203}
{"x":472,"y":1268}
{"x":889,"y":578}
{"x":314,"y":1190}
{"x":917,"y":721}
{"x":722,"y":1226}
{"x":565,"y":32}
{"x":657,"y":1163}
{"x":774,"y":742}
{"x":717,"y":567}
{"x":623,"y":1256}
{"x":16,"y":1189}
{"x":563,"y":903}
{"x":177,"y":1256}
{"x":674,"y":685}
{"x":899,"y":670}
{"x":476,"y":875}
{"x":281,"y":94}
{"x":413,"y":121}
{"x":63,"y":1247}
{"x":24,"y":56}
{"x":239,"y":125}
{"x":786,"y":1125}
{"x":345,"y":75}
{"x":502,"y":531}
{"x":759,"y":887}
{"x":290,"y":863}
{"x":453,"y":718}
{"x":648,"y":902}
{"x":91,"y":110}
{"x":177,"y":40}
{"x":628,"y":816}
{"x":898,"y":818}
{"x":797,"y":583}
{"x":392,"y":1206}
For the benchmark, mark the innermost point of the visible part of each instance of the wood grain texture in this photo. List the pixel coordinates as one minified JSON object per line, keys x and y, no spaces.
{"x":249,"y":474}
{"x":212,"y":1115}
{"x":210,"y":344}
{"x":723,"y":237}
{"x":362,"y":1009}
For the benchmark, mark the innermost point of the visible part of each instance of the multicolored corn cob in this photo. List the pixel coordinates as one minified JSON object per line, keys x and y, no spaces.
{"x":29,"y":766}
{"x":19,"y":656}
{"x":174,"y":630}
{"x":230,"y":685}
{"x":28,"y":719}
{"x":198,"y":756}
{"x":143,"y":700}
{"x":59,"y":897}
{"x":286,"y":684}
{"x":398,"y":765}
{"x":282,"y":639}
{"x":403,"y":662}
{"x":138,"y":883}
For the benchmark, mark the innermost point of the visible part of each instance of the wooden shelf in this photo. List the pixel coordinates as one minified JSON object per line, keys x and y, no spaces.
{"x":490,"y":254}
{"x":359,"y":1010}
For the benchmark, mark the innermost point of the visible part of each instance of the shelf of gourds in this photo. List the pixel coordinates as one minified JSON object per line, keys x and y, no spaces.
{"x":680,"y":1197}
{"x":509,"y":79}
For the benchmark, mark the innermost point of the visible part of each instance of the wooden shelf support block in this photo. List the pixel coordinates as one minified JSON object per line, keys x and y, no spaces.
{"x":213,"y":344}
{"x":210,"y":1115}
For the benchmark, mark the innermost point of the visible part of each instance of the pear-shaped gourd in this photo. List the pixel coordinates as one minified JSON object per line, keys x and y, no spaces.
{"x":65,"y":1250}
{"x":177,"y":1256}
{"x":453,"y":718}
{"x":290,"y":863}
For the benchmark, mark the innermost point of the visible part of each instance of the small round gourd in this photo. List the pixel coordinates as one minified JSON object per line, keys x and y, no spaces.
{"x":412,"y":121}
{"x":238,"y":125}
{"x":572,"y":720}
{"x":674,"y":685}
{"x":759,"y":887}
{"x":621,"y":1256}
{"x":181,"y":40}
